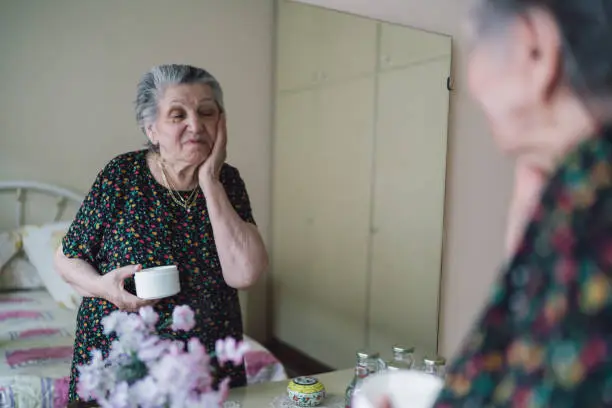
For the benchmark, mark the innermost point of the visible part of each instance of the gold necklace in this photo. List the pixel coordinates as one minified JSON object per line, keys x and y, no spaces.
{"x":174,"y":195}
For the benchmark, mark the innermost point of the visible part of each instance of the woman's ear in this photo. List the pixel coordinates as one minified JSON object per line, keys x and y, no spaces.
{"x":151,"y":133}
{"x":221,"y":110}
{"x":545,"y":58}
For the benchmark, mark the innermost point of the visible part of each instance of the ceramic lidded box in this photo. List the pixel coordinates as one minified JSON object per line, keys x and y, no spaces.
{"x":306,"y":391}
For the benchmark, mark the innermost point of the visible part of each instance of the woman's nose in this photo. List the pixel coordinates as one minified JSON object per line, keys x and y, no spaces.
{"x":196,"y":124}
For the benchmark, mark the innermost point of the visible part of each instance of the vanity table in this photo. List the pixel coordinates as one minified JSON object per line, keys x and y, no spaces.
{"x":261,"y":395}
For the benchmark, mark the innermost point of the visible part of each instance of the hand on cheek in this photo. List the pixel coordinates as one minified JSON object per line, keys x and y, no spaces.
{"x":210,"y":170}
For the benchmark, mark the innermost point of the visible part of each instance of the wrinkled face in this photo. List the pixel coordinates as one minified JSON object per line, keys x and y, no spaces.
{"x":186,"y":124}
{"x":512,"y":73}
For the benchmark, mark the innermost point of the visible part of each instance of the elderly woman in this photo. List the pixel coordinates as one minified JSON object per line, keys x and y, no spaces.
{"x":177,"y":202}
{"x":542,"y":72}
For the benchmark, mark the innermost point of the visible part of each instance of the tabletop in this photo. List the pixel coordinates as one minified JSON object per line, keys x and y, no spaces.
{"x":264,"y":394}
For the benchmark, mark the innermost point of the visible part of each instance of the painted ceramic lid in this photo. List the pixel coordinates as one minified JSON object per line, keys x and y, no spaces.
{"x":306,"y":385}
{"x":306,"y":392}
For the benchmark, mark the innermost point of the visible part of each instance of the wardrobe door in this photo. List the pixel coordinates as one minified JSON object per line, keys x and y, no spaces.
{"x":342,"y":176}
{"x":402,"y":46}
{"x":293,"y":201}
{"x":321,"y":207}
{"x":298,"y":43}
{"x":347,"y":46}
{"x":410,"y":167}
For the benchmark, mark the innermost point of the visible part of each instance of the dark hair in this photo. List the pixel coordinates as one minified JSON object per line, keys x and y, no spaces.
{"x":586,"y":32}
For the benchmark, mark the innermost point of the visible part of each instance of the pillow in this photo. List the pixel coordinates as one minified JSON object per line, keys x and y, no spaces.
{"x":40,"y":245}
{"x":19,"y":273}
{"x":10,"y":244}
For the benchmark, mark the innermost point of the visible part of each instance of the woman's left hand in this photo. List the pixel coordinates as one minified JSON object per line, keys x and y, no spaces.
{"x":211,"y":168}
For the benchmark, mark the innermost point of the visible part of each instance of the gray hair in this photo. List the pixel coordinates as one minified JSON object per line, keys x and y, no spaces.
{"x":586,"y":33}
{"x":153,"y":83}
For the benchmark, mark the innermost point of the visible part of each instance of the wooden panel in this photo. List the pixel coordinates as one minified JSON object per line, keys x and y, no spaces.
{"x":409,"y":206}
{"x":403,"y":46}
{"x":292,"y":202}
{"x":320,"y":295}
{"x":347,"y":46}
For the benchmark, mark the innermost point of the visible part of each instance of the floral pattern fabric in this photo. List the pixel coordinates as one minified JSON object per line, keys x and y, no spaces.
{"x":545,"y":337}
{"x":129,"y":218}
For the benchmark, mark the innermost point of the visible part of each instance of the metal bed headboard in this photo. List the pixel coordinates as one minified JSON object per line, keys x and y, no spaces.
{"x":21,"y":189}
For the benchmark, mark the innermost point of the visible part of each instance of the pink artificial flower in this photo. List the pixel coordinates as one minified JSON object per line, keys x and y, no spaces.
{"x":153,"y":348}
{"x":230,"y":350}
{"x":199,"y":362}
{"x":182,"y":318}
{"x":93,"y":378}
{"x":146,"y":393}
{"x":179,"y":373}
{"x":171,"y":373}
{"x":127,"y":343}
{"x":176,"y":348}
{"x":149,"y":316}
{"x":196,"y":349}
{"x":97,"y":359}
{"x":180,"y":377}
{"x":112,"y":321}
{"x":87,"y":385}
{"x":130,"y":325}
{"x":119,"y":397}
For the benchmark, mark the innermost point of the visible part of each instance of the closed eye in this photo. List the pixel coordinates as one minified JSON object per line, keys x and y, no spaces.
{"x":177,"y":115}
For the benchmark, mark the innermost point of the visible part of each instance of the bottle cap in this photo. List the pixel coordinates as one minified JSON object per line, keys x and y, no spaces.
{"x":434,"y":361}
{"x":367,"y":354}
{"x":401,"y":349}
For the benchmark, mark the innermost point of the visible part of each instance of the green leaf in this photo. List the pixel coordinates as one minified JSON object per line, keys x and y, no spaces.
{"x":133,"y":371}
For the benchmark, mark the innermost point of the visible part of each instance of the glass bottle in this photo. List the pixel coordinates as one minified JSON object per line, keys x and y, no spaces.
{"x":403,"y":358}
{"x":435,"y":366}
{"x":368,"y":363}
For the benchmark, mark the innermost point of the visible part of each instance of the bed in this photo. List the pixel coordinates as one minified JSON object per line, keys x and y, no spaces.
{"x":38,"y":310}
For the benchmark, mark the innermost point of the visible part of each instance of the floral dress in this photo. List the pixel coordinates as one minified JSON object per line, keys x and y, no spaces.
{"x":545,"y":337}
{"x":129,"y":218}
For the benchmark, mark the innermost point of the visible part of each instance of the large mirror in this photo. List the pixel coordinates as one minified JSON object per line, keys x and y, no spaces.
{"x":360,"y":140}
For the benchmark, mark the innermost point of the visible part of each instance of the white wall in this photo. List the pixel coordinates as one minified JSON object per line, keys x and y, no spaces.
{"x":478,"y":179}
{"x":69,"y":69}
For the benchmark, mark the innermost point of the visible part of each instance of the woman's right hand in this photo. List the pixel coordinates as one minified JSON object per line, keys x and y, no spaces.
{"x":384,"y":403}
{"x":113,"y":289}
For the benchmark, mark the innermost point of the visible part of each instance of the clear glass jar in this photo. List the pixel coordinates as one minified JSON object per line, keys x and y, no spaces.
{"x":368,"y":363}
{"x":403,"y":358}
{"x":435,"y":366}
